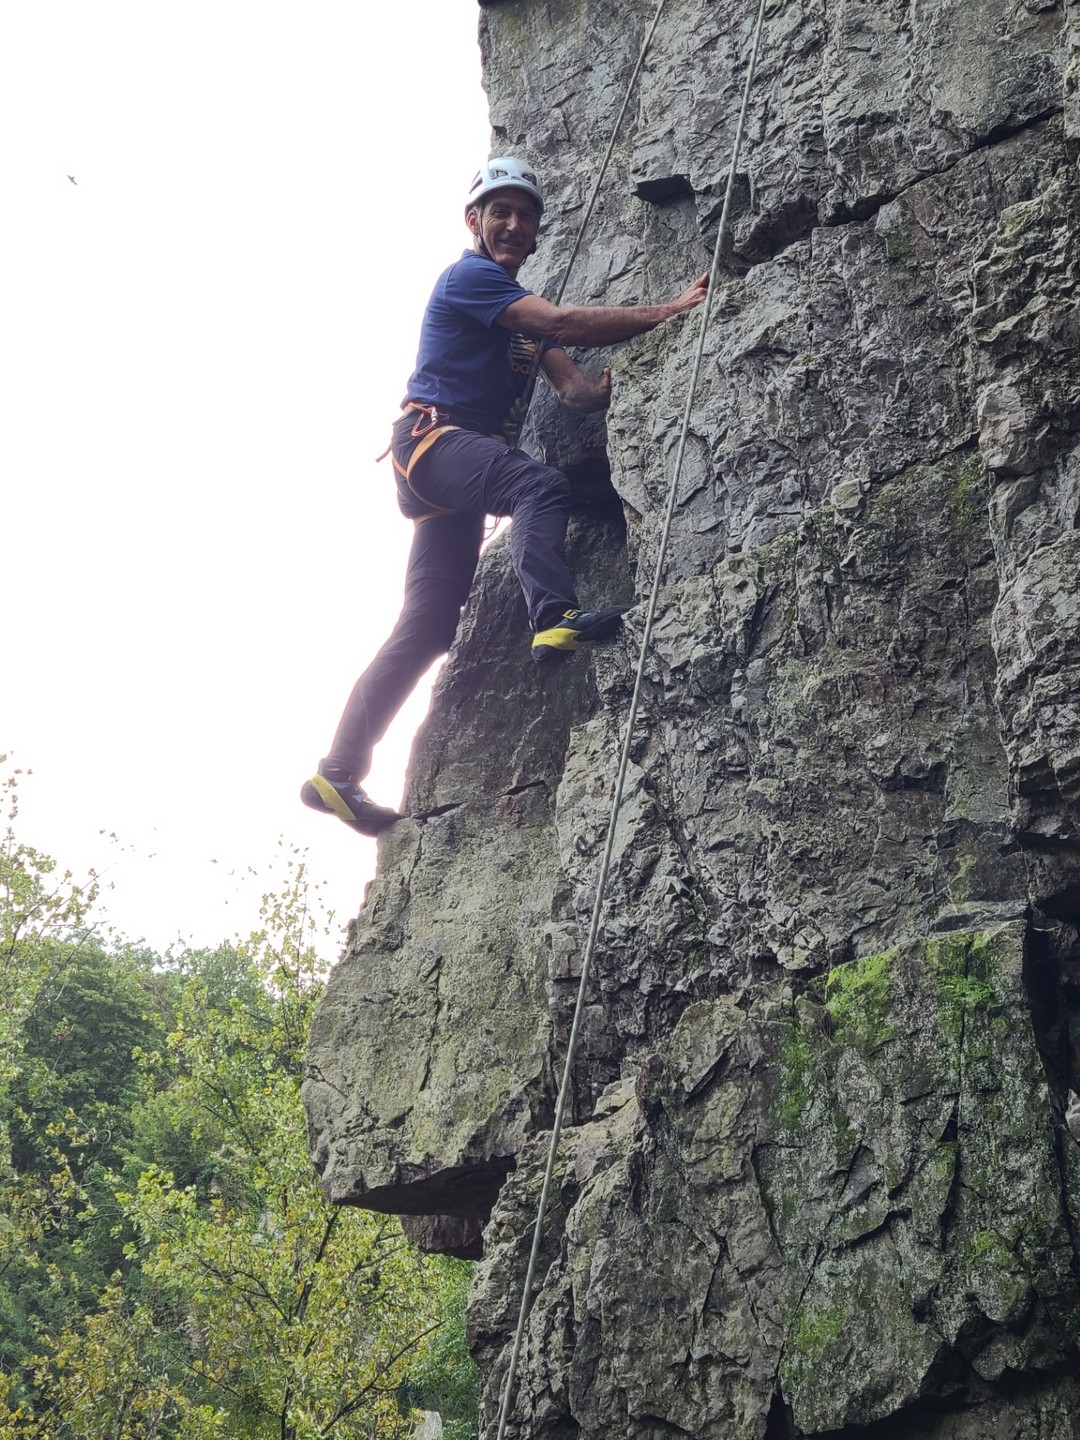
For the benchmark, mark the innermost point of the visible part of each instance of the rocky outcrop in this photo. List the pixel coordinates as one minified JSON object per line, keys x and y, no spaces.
{"x":817,"y":1179}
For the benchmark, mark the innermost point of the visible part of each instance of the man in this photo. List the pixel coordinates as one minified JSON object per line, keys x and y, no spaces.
{"x":454,"y":466}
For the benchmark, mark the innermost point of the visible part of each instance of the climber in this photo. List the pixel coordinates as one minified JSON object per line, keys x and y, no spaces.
{"x":455,"y":461}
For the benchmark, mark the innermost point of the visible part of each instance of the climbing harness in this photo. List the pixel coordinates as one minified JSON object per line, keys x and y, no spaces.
{"x":624,"y":761}
{"x":426,"y":430}
{"x":429,"y":418}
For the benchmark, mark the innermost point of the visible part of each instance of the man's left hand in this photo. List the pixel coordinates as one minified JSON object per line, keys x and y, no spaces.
{"x":575,"y":387}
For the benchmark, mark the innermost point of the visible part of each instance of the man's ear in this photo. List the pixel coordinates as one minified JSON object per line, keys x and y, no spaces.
{"x":472,"y":219}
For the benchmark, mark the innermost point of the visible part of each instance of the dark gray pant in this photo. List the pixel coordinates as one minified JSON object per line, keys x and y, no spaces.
{"x":472,"y":476}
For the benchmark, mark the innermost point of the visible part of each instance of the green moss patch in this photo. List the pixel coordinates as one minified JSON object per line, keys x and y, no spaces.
{"x":963,"y":968}
{"x":858,"y":999}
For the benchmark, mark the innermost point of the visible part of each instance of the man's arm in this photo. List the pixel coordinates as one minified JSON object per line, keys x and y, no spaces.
{"x":538,"y":319}
{"x":577,"y":390}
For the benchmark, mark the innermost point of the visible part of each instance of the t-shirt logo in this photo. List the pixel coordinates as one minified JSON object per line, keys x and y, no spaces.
{"x":522,"y":354}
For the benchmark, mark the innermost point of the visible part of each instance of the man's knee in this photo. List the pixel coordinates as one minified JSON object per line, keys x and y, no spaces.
{"x":440,"y":632}
{"x":429,"y":621}
{"x":556,"y":484}
{"x":546,"y":485}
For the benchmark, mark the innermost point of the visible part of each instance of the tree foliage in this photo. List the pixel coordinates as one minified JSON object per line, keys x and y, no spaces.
{"x":43,"y":925}
{"x":169,"y":1265}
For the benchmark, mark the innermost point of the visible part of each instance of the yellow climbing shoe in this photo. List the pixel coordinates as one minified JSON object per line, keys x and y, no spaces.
{"x":349,"y":803}
{"x":577,"y":630}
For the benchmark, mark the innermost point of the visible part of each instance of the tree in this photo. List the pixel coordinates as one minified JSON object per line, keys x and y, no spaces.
{"x":445,"y":1377}
{"x":39,"y":910}
{"x":43,"y":920}
{"x":169,"y":1266}
{"x":249,"y":1307}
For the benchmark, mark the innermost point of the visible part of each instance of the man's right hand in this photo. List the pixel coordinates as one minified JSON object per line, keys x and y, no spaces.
{"x":694,"y":294}
{"x":594,"y":325}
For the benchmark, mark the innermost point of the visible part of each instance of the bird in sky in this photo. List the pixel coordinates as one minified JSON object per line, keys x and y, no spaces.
{"x":73,"y":180}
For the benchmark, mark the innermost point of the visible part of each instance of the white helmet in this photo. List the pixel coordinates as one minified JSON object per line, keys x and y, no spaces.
{"x":502,"y":174}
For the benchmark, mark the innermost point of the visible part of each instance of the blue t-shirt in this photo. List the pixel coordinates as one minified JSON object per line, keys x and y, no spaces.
{"x":468,"y":365}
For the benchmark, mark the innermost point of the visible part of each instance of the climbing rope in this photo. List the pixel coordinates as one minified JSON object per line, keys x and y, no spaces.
{"x":624,"y":761}
{"x":609,"y":152}
{"x":534,"y":369}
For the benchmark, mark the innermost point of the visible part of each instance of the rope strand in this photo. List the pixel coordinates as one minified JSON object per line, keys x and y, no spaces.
{"x":534,"y":369}
{"x":624,"y":761}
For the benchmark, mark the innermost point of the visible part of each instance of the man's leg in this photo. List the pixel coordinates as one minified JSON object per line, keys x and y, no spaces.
{"x":473,"y":472}
{"x":441,"y":566}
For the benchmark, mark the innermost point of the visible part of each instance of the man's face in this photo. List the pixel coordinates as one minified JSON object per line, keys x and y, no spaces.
{"x":507,"y":223}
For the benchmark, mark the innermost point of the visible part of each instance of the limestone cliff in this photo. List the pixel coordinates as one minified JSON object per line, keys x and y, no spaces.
{"x":819,"y":1179}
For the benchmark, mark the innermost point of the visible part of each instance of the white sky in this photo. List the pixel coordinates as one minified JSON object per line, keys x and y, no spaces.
{"x":202,"y":345}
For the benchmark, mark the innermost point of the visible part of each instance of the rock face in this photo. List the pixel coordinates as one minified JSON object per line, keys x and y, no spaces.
{"x":818,"y":1179}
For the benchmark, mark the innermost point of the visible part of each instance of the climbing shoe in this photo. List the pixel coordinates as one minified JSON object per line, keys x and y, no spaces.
{"x":576,"y":630}
{"x":349,"y":803}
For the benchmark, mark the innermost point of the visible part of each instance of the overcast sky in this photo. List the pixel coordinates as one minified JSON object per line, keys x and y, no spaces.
{"x":204,"y":338}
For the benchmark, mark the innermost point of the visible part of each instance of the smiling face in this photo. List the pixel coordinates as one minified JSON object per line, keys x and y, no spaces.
{"x":505,"y":227}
